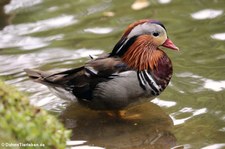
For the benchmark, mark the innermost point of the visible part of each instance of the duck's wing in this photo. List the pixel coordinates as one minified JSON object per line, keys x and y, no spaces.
{"x":105,"y":66}
{"x":81,"y":81}
{"x":102,"y":67}
{"x":52,"y":79}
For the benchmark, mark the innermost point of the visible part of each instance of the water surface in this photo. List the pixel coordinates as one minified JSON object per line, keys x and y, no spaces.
{"x":57,"y":35}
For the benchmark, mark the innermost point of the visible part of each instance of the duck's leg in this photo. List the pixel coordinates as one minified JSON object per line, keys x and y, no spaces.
{"x":123,"y":114}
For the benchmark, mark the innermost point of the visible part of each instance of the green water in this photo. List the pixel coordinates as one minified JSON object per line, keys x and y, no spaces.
{"x":57,"y":35}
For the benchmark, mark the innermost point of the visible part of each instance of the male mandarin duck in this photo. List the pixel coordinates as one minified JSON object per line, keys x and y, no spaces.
{"x":136,"y":70}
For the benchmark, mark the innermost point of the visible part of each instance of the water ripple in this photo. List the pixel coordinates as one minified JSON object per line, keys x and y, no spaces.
{"x":194,"y":112}
{"x":218,"y":36}
{"x":18,"y":4}
{"x":164,"y":1}
{"x":36,"y":59}
{"x":22,"y":42}
{"x":41,"y":25}
{"x":206,"y":14}
{"x":215,"y":146}
{"x":97,"y":8}
{"x":53,"y":8}
{"x":13,"y":35}
{"x":205,"y":83}
{"x":78,"y":144}
{"x":98,"y":30}
{"x":40,"y":96}
{"x":214,"y":85}
{"x":87,"y":147}
{"x":140,"y":4}
{"x":163,"y":103}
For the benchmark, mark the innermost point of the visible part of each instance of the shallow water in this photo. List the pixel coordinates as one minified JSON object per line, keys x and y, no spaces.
{"x":57,"y":35}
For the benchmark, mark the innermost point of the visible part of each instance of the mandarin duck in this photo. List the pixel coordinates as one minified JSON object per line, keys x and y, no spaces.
{"x":136,"y":70}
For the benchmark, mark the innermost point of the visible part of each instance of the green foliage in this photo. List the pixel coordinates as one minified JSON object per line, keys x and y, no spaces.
{"x":22,"y":123}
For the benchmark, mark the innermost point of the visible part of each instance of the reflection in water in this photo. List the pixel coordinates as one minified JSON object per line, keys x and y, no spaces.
{"x":41,"y":25}
{"x":163,"y":103}
{"x":214,"y":85}
{"x":140,"y":4}
{"x":99,"y":30}
{"x":13,"y":35}
{"x":206,"y":14}
{"x":24,"y":43}
{"x":145,"y":125}
{"x":55,"y":35}
{"x":164,"y":1}
{"x":80,"y":145}
{"x":15,"y":4}
{"x":203,"y":83}
{"x":34,"y":59}
{"x":215,"y":146}
{"x":219,"y":36}
{"x":187,"y":110}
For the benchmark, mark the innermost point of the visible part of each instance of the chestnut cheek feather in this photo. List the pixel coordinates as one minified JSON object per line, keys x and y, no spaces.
{"x":142,"y":55}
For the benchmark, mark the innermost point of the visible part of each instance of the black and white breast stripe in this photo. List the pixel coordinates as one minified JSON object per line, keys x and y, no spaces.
{"x":148,"y":83}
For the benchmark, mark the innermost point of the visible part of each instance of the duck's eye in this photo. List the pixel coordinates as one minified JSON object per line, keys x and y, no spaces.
{"x":155,"y":34}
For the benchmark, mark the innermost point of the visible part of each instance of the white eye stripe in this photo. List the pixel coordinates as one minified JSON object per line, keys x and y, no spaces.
{"x":137,"y":30}
{"x":146,"y":28}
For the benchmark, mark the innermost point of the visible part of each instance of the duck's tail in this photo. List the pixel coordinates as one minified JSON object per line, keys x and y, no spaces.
{"x":57,"y":82}
{"x":54,"y":79}
{"x":37,"y":75}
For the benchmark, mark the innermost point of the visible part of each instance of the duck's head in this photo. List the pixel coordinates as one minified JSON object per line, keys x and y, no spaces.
{"x":151,"y":32}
